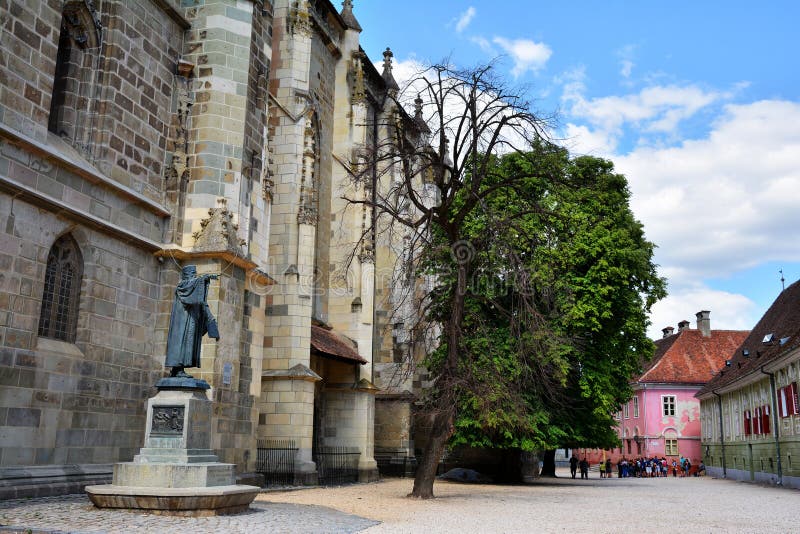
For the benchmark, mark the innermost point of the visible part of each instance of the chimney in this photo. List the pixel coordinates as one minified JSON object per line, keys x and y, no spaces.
{"x":667,"y":331}
{"x":704,"y":323}
{"x":683,"y":325}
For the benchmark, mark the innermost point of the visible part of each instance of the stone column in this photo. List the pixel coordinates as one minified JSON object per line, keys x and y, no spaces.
{"x":364,"y":430}
{"x":287,"y":413}
{"x":287,"y":393}
{"x":219,"y":47}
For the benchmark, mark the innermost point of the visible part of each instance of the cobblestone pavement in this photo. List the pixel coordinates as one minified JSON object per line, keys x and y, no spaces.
{"x":672,"y":505}
{"x":76,"y":515}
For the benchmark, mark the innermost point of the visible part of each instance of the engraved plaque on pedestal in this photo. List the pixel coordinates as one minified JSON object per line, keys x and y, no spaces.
{"x":167,"y":421}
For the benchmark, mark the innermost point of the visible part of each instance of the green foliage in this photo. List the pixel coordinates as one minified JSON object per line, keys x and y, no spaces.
{"x":556,"y":309}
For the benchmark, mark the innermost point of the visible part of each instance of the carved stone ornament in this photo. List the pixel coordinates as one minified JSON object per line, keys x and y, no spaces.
{"x":82,"y":21}
{"x":299,"y":18}
{"x":359,"y":90}
{"x":167,"y":420}
{"x":267,"y":189}
{"x":177,"y":172}
{"x":218,"y":232}
{"x":307,"y":215}
{"x":367,"y":255}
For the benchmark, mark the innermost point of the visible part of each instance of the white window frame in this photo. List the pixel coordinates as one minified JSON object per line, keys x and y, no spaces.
{"x":635,"y":407}
{"x":670,"y":446}
{"x":626,"y":412}
{"x":671,"y":404}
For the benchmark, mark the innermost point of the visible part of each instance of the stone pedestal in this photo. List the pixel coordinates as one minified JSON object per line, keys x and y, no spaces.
{"x":176,"y":472}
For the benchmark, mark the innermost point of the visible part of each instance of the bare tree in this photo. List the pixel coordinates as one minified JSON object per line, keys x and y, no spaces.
{"x":434,"y":172}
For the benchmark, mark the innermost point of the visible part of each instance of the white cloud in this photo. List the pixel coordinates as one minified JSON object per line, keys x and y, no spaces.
{"x":527,"y":55}
{"x":626,"y":67}
{"x":654,"y":113}
{"x":626,"y":55}
{"x":484,"y":43}
{"x":464,"y":19}
{"x":579,"y":139}
{"x":720,"y":205}
{"x":404,"y":71}
{"x":655,"y":109}
{"x":729,"y":311}
{"x":715,"y":206}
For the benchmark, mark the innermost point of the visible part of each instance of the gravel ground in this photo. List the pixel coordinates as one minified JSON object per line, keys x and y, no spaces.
{"x":671,"y":505}
{"x":564,"y":505}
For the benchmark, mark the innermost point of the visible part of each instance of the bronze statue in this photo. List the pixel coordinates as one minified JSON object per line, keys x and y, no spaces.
{"x":190,"y":321}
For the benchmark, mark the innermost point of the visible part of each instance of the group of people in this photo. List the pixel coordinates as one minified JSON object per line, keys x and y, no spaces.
{"x":583,"y":464}
{"x":639,"y":467}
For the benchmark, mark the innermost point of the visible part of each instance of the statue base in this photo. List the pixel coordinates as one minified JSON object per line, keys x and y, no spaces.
{"x":176,"y":472}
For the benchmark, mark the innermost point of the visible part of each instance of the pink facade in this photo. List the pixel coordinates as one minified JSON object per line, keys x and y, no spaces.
{"x":660,"y":420}
{"x":667,"y":423}
{"x":663,"y":417}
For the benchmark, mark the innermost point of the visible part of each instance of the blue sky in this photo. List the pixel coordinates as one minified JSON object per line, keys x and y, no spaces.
{"x":697,"y":103}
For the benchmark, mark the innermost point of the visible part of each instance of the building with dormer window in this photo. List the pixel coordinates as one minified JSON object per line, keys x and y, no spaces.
{"x":749,"y":411}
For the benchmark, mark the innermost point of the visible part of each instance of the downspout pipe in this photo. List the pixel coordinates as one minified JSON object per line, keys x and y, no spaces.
{"x":776,"y":430}
{"x":721,"y":435}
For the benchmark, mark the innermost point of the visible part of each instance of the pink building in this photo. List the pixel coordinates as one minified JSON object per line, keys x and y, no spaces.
{"x":663,"y":417}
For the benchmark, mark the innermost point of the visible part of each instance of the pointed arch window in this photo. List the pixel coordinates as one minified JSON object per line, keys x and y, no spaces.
{"x":74,"y":82}
{"x":62,"y":285}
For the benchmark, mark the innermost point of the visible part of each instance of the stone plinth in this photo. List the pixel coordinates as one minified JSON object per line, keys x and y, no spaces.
{"x":176,"y":472}
{"x":174,"y":475}
{"x":195,"y":502}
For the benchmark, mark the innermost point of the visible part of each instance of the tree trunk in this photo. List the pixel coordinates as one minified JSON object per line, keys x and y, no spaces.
{"x":441,"y":430}
{"x":549,"y":464}
{"x":445,"y":414}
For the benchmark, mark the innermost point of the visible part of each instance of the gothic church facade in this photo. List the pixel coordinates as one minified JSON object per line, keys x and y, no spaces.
{"x":139,"y":136}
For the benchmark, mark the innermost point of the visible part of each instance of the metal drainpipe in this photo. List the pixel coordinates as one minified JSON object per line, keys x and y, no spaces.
{"x":776,"y":431}
{"x":721,"y":434}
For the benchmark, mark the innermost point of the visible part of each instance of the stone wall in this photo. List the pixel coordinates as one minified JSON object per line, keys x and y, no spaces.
{"x":83,"y":403}
{"x":30,"y":42}
{"x":134,"y":84}
{"x":126,"y":84}
{"x":202,"y":132}
{"x":76,"y":403}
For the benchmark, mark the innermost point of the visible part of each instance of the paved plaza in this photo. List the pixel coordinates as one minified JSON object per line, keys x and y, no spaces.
{"x":562,"y":505}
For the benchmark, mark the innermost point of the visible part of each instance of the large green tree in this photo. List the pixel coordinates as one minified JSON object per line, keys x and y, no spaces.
{"x":558,"y":314}
{"x":431,"y":187}
{"x":522,"y":299}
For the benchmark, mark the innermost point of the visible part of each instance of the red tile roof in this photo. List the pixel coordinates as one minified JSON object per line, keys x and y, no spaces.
{"x":782,"y":320}
{"x":331,"y":344}
{"x":689,"y":358}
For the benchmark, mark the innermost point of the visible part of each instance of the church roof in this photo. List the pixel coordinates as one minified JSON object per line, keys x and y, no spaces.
{"x":331,"y":344}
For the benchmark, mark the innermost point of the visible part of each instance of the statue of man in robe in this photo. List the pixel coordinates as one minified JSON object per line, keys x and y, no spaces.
{"x":190,"y":321}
